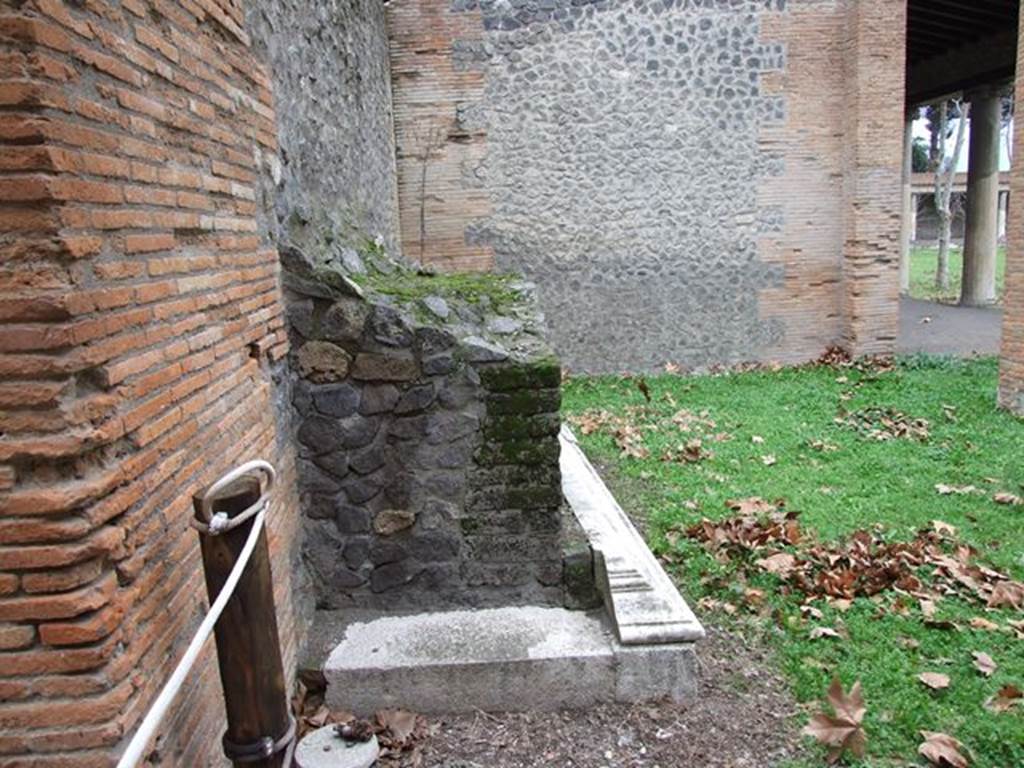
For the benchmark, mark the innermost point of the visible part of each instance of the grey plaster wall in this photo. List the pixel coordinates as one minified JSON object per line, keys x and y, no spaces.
{"x":622,"y":163}
{"x":336,"y":169}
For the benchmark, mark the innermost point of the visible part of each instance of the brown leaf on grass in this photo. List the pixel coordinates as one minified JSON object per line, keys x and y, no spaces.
{"x":641,"y":384}
{"x":753,"y":597}
{"x":1004,"y":497}
{"x":691,"y":452}
{"x":885,"y":424}
{"x":934,"y":680}
{"x":942,"y":750}
{"x":979,"y":622}
{"x":630,"y":441}
{"x":810,"y":610}
{"x":1006,"y":698}
{"x":944,"y":624}
{"x":819,"y":632}
{"x":822,"y":445}
{"x":1007,"y":594}
{"x":959,"y":490}
{"x":927,"y":608}
{"x":781,"y":564}
{"x":984,"y":663}
{"x":754,"y":505}
{"x":842,"y":730}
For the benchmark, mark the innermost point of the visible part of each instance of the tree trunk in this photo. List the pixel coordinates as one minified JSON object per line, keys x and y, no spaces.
{"x":945,"y":175}
{"x":942,"y":264}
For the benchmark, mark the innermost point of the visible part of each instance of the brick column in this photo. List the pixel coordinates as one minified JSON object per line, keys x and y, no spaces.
{"x":873,"y":173}
{"x":908,"y":201}
{"x":140,"y":319}
{"x":1011,"y":368}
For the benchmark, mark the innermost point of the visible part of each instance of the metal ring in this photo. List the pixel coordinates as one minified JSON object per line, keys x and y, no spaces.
{"x":260,"y":749}
{"x":207,"y":499}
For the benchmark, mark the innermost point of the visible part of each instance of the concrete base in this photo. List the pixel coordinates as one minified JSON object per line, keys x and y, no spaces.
{"x":499,"y":659}
{"x":324,"y":748}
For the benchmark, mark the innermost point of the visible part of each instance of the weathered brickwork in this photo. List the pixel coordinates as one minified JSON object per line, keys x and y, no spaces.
{"x":141,"y":335}
{"x":675,"y":175}
{"x":1011,"y":369}
{"x":427,"y":425}
{"x":873,"y":175}
{"x":837,"y":252}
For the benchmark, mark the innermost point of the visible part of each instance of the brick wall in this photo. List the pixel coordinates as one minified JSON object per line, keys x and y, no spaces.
{"x":141,"y":332}
{"x":1011,"y":369}
{"x":873,"y":173}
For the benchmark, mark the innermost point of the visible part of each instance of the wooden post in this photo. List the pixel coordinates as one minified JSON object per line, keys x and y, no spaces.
{"x":248,"y":646}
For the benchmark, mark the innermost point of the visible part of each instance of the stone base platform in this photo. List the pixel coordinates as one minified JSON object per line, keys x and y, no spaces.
{"x":500,"y":659}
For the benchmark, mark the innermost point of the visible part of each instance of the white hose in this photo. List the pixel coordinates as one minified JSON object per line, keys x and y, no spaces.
{"x":140,"y":741}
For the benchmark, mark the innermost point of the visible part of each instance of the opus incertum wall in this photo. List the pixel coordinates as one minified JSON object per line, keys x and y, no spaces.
{"x":670,"y":180}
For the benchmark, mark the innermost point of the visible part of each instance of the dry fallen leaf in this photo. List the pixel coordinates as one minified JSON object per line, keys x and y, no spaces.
{"x":947,"y":490}
{"x":781,"y":564}
{"x":942,"y":749}
{"x":819,"y":632}
{"x":934,"y":680}
{"x":1007,"y":594}
{"x":641,"y":384}
{"x":1007,"y":697}
{"x":842,"y":730}
{"x":1004,"y":497}
{"x":768,"y":460}
{"x":399,"y":723}
{"x":979,"y":622}
{"x":984,"y":663}
{"x":943,"y":529}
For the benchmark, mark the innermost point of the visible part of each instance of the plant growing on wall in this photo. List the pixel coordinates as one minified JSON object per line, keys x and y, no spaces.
{"x":432,"y":141}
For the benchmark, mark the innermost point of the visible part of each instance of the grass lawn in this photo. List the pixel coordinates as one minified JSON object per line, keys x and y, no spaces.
{"x":857,"y":483}
{"x":922,"y":274}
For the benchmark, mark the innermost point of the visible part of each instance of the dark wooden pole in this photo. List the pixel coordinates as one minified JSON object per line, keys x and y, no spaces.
{"x":248,"y":646}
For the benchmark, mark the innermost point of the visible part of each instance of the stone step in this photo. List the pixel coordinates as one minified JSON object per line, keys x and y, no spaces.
{"x":499,"y":659}
{"x":644,"y":604}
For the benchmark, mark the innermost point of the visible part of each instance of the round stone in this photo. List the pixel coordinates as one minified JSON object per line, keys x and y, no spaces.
{"x":324,"y":748}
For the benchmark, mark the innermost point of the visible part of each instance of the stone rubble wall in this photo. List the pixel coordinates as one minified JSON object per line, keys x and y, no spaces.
{"x":428,"y":454}
{"x":331,"y":79}
{"x":687,"y":180}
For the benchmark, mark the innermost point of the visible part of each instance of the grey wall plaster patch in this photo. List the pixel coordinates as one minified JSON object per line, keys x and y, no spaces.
{"x":622,"y":164}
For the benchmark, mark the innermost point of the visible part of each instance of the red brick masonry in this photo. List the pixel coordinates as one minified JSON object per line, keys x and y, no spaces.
{"x":1011,"y":370}
{"x":141,"y":319}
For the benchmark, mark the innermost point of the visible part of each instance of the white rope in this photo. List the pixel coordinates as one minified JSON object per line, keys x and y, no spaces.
{"x":140,"y":741}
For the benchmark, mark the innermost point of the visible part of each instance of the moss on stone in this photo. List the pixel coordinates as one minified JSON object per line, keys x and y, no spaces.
{"x":407,"y":285}
{"x":543,"y":372}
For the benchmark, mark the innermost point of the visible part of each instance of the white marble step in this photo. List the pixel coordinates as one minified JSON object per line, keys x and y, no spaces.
{"x":643,"y":602}
{"x":498,"y":659}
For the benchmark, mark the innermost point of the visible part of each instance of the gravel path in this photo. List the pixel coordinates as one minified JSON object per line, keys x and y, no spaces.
{"x":945,"y":329}
{"x":743,"y":718}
